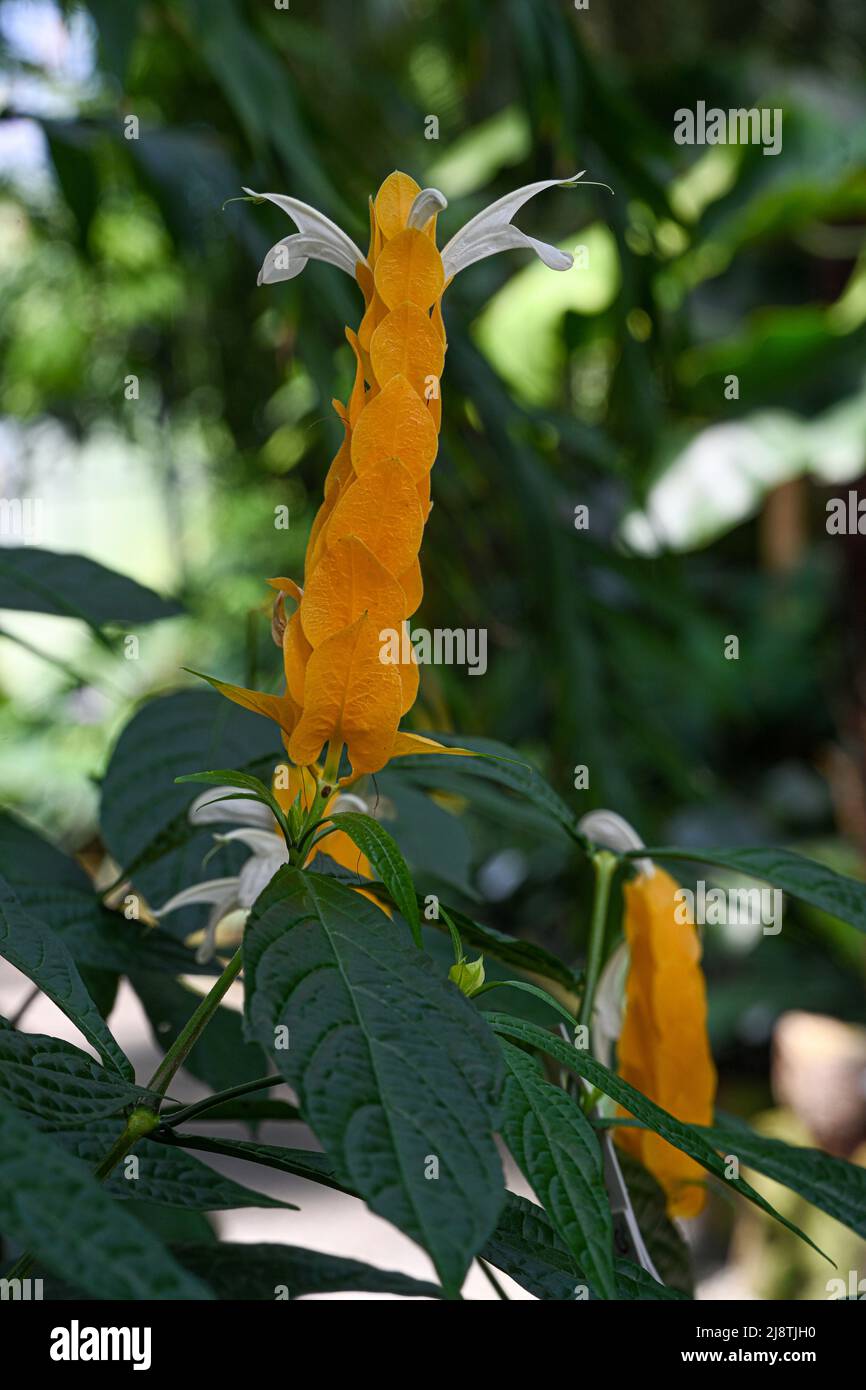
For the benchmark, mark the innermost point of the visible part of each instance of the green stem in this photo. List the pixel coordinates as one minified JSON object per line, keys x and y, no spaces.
{"x":194,"y":1027}
{"x":172,"y":1118}
{"x":605,"y":865}
{"x":491,"y":1277}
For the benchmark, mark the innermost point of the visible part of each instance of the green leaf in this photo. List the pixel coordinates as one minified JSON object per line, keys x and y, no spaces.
{"x":39,"y":953}
{"x":393,"y":1068}
{"x":247,"y":783}
{"x":144,"y":814}
{"x":301,"y":1163}
{"x":526,"y":1247}
{"x":36,"y":580}
{"x":57,"y":1083}
{"x":166,"y":1175}
{"x":384,"y":855}
{"x":51,"y":1204}
{"x":803,"y":878}
{"x":496,"y":763}
{"x":220,"y":1057}
{"x":511,"y":950}
{"x":686,"y":1137}
{"x":832,"y":1184}
{"x":245,"y":1272}
{"x":57,"y":891}
{"x":556,"y":1149}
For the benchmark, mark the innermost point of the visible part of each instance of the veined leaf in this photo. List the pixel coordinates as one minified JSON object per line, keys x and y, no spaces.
{"x":526,"y":1247}
{"x":165,"y":1174}
{"x":394,"y":1070}
{"x":51,"y":1204}
{"x":803,"y":878}
{"x":245,"y":1272}
{"x":58,"y":1084}
{"x":558,"y":1154}
{"x":832,"y":1184}
{"x":57,"y":891}
{"x":36,"y":580}
{"x":40,"y":954}
{"x":686,"y":1137}
{"x":301,"y":1163}
{"x":144,"y":813}
{"x":384,"y":855}
{"x":497,"y":763}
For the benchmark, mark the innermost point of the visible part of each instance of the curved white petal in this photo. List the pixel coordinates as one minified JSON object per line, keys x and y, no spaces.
{"x":289,"y":257}
{"x":210,"y":809}
{"x":264,"y":843}
{"x":348,"y":801}
{"x":221,"y":931}
{"x":491,"y":231}
{"x":319,"y":239}
{"x":427,"y":203}
{"x":608,"y":828}
{"x":220,"y":892}
{"x":257,"y":874}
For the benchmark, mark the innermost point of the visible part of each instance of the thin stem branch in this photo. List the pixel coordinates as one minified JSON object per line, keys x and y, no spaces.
{"x":194,"y":1027}
{"x":172,"y":1118}
{"x":491,"y":1278}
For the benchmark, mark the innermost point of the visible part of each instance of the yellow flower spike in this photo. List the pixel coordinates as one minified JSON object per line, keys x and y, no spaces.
{"x":347,"y":582}
{"x":395,"y":424}
{"x":383,"y":510}
{"x":361,"y":569}
{"x":350,"y":696}
{"x":393,"y":203}
{"x":409,"y":271}
{"x":407,"y":344}
{"x":663,"y":1049}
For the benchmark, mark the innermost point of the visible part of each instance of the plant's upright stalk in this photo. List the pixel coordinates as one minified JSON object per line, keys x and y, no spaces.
{"x":194,"y":1027}
{"x":605,"y":864}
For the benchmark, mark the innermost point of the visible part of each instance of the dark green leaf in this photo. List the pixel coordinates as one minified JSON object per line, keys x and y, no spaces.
{"x":301,"y":1163}
{"x":59,"y":1084}
{"x":834,"y":1185}
{"x":165,"y":1175}
{"x":393,"y":1068}
{"x":51,"y":1204}
{"x":557,"y":1151}
{"x":511,"y":950}
{"x":144,"y":812}
{"x":41,"y":581}
{"x":385,"y":858}
{"x":497,"y":763}
{"x":40,"y":954}
{"x":245,"y":1272}
{"x":686,"y":1137}
{"x":57,"y":891}
{"x":803,"y":878}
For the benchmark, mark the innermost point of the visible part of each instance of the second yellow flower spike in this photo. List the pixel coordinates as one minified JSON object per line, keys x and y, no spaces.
{"x":664,"y":1050}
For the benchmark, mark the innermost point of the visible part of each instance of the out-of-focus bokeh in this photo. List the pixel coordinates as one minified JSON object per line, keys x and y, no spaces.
{"x":697,"y":382}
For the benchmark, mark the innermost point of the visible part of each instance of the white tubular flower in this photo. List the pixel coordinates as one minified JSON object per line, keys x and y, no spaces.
{"x":230,"y":899}
{"x":491,"y":231}
{"x":317,"y":239}
{"x":614,"y":832}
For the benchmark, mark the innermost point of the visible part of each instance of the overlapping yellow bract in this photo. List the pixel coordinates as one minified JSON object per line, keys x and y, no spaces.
{"x":362,"y":572}
{"x":664,"y":1050}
